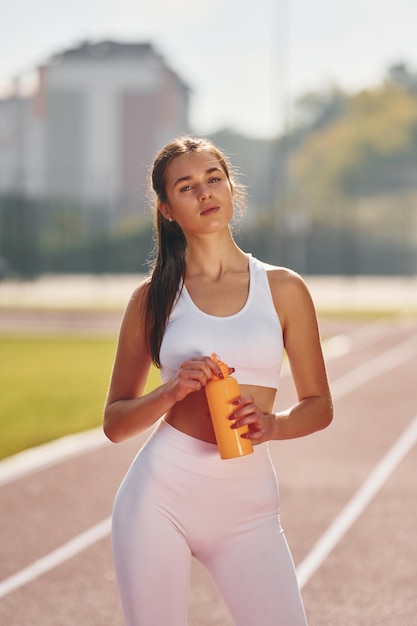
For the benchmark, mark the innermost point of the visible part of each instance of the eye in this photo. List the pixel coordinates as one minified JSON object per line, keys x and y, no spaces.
{"x":214,"y":179}
{"x":185,"y":188}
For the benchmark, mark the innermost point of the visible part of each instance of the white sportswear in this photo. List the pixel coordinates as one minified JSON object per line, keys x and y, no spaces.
{"x":180,"y":500}
{"x":250,"y":340}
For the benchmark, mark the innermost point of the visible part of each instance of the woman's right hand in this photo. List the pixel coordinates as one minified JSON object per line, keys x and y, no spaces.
{"x":192,"y":376}
{"x":128,"y":410}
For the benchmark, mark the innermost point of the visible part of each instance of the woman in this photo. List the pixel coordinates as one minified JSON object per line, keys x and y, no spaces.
{"x":179,"y":499}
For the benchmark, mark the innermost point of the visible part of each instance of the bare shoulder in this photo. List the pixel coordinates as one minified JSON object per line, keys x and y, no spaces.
{"x":139,"y":295}
{"x":136,"y":307}
{"x":285,"y":279}
{"x":289,"y":291}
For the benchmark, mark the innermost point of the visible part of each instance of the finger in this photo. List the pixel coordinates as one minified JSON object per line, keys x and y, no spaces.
{"x":205,"y":364}
{"x":215,"y":368}
{"x":255,"y":436}
{"x":194,"y":378}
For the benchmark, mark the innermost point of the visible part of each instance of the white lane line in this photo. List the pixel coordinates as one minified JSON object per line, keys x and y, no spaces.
{"x":50,"y":453}
{"x":343,"y":386}
{"x":56,"y":557}
{"x":375,"y":367}
{"x":57,"y":451}
{"x":354,"y":509}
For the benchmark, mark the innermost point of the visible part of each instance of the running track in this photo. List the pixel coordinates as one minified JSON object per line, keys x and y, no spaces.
{"x":348,"y":504}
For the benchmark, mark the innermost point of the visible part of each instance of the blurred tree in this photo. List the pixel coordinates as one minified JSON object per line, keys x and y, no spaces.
{"x":368,"y":149}
{"x":316,"y":110}
{"x":401,"y":75}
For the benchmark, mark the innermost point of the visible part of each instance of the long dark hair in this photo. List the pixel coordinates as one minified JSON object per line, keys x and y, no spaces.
{"x":168,"y":269}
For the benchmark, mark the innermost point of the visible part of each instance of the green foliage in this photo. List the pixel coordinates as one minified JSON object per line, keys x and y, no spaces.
{"x":51,"y":387}
{"x":368,"y":149}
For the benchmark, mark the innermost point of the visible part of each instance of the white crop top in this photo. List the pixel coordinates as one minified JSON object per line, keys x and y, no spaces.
{"x":250,"y":340}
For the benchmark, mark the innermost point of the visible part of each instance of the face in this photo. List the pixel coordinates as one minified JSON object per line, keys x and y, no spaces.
{"x":199,"y":193}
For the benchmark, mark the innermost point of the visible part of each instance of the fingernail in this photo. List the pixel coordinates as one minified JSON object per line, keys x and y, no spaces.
{"x":235,"y":402}
{"x":220,"y":375}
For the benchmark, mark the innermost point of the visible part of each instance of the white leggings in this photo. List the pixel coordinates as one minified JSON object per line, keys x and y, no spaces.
{"x":179,"y":500}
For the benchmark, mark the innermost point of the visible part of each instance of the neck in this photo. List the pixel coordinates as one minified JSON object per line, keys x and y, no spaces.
{"x":213,"y":256}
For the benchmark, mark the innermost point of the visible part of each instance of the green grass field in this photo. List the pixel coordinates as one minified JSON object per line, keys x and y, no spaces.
{"x":51,"y":387}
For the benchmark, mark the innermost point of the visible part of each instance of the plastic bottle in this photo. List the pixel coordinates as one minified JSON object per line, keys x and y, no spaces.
{"x":220,"y":393}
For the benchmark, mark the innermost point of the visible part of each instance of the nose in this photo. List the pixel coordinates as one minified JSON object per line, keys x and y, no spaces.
{"x":204,"y":192}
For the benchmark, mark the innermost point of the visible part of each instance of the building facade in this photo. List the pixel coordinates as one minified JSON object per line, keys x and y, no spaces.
{"x":91,"y":128}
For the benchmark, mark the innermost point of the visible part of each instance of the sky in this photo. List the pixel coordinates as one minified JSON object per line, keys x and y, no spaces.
{"x":246,"y":61}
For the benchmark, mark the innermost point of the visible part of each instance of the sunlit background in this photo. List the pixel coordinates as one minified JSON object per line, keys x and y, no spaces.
{"x":314,"y":102}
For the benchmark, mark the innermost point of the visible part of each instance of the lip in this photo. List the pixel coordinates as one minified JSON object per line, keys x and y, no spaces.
{"x":209,"y":210}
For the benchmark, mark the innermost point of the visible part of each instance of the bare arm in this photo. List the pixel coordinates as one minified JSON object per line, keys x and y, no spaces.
{"x":127,"y":410}
{"x":314,"y":410}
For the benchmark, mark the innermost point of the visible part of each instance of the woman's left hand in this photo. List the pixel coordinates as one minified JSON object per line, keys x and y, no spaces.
{"x":247,"y":413}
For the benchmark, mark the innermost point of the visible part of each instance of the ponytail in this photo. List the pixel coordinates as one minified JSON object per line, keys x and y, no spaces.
{"x":167,"y":275}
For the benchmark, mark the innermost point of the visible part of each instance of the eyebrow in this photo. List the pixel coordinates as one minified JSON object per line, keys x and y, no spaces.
{"x":187,"y":178}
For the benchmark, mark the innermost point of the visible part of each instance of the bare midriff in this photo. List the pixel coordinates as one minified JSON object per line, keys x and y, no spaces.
{"x":192,"y":417}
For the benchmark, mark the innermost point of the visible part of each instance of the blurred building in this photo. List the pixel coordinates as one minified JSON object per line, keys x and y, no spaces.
{"x":90,"y":130}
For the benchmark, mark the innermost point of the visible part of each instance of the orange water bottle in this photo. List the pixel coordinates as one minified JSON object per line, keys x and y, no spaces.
{"x":220,"y":393}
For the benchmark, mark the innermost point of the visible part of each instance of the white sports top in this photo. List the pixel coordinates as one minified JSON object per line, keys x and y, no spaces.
{"x":250,"y":340}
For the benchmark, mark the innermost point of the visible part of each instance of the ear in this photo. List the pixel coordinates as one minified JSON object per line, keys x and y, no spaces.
{"x":165,"y":210}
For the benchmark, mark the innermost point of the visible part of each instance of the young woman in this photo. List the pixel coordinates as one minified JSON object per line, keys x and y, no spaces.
{"x":179,"y":499}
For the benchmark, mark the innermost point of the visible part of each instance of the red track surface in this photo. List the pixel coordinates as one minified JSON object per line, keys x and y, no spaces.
{"x":363,"y":573}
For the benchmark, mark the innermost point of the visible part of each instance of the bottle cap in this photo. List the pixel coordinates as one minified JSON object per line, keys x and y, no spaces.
{"x":223,"y":367}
